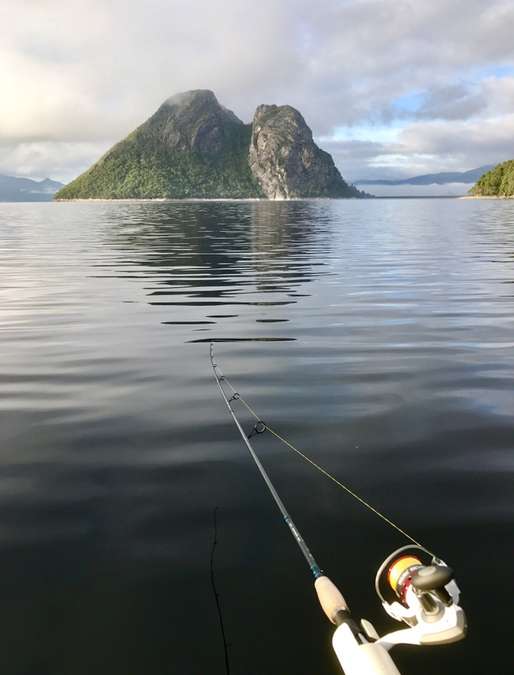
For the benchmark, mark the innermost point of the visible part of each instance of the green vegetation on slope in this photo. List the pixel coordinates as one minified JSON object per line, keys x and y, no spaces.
{"x":499,"y":182}
{"x":143,"y":167}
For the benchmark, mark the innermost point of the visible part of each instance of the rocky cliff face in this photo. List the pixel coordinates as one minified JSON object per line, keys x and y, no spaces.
{"x":193,"y":147}
{"x":194,"y":122}
{"x":285,"y":160}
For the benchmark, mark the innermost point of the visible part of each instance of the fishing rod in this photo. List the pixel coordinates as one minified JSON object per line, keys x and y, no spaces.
{"x":413,"y":584}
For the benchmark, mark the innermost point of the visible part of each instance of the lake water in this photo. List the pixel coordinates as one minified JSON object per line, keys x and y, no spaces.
{"x":392,"y":364}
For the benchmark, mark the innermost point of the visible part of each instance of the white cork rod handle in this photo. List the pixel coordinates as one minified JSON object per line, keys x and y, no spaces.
{"x":330,"y":598}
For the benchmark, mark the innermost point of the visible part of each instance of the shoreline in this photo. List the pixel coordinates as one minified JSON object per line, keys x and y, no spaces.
{"x":201,"y":200}
{"x":208,"y":199}
{"x":486,"y":197}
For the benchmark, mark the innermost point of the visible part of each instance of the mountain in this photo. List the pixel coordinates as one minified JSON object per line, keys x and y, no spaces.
{"x":499,"y":182}
{"x":14,"y":189}
{"x":432,"y":178}
{"x":193,"y":147}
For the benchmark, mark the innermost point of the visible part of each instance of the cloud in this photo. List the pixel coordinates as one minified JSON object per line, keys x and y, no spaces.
{"x":452,"y":102}
{"x":50,"y":159}
{"x":85,"y":73}
{"x":448,"y":131}
{"x":481,"y":141}
{"x":355,"y":158}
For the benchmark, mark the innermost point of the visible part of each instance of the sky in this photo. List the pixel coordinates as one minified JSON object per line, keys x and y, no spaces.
{"x":391,"y":88}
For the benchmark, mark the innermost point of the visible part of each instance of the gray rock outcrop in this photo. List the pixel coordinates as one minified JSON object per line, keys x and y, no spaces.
{"x":195,"y":121}
{"x":286,"y":162}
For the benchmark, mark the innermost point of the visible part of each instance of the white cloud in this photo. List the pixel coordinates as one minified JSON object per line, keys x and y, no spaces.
{"x":48,"y":159}
{"x":483,"y":140}
{"x":448,"y":142}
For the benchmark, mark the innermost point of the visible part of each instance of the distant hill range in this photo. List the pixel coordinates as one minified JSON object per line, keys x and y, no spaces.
{"x":498,"y":182}
{"x":443,"y":178}
{"x":193,"y":147}
{"x":14,"y":189}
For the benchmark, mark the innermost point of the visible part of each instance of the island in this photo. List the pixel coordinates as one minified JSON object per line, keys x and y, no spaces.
{"x":192,"y":147}
{"x":498,"y":182}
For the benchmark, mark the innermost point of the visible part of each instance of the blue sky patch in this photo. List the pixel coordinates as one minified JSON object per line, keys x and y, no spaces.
{"x":409,"y":103}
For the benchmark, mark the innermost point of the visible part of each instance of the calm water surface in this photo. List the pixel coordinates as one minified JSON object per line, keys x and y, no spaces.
{"x":392,"y":364}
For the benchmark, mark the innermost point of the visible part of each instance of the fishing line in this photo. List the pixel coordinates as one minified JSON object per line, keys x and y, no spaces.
{"x":215,"y":591}
{"x":261,"y":426}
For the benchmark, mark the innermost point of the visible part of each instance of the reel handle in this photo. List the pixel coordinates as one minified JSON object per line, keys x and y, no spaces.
{"x":431,"y":577}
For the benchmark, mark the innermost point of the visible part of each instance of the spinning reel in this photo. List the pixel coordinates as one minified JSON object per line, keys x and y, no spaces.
{"x":415,"y":588}
{"x":420,"y":590}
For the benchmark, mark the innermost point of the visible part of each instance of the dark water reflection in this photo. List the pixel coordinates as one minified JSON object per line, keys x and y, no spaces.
{"x":377,"y":335}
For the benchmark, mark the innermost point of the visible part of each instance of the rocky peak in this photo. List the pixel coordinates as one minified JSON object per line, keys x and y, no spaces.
{"x":285,"y":160}
{"x":193,"y":121}
{"x":284,"y":119}
{"x":190,"y":98}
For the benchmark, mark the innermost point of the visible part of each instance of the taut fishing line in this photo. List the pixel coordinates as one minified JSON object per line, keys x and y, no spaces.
{"x":262,"y":426}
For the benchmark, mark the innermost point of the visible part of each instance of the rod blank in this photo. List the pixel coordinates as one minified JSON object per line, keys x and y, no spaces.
{"x":311,"y":561}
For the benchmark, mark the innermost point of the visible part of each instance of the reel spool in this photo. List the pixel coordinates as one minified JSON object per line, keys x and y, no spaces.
{"x":401,"y":572}
{"x":412,"y":567}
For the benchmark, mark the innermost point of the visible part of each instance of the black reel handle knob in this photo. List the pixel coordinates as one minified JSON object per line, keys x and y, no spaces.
{"x":431,"y":577}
